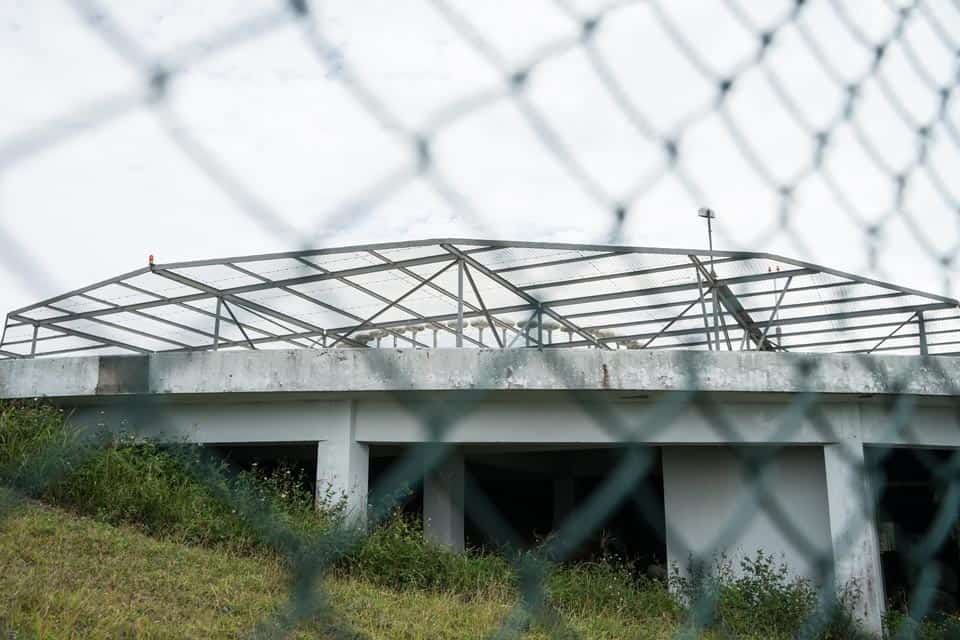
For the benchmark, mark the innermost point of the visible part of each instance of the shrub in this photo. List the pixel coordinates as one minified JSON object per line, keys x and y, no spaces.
{"x":898,"y":625}
{"x":763,"y":599}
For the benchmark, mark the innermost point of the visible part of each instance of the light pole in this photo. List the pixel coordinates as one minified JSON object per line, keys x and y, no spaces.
{"x":710,"y":215}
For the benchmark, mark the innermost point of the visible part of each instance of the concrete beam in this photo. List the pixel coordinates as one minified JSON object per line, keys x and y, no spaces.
{"x":385,"y":370}
{"x":553,"y":419}
{"x":443,"y":499}
{"x":527,"y":420}
{"x":221,"y":423}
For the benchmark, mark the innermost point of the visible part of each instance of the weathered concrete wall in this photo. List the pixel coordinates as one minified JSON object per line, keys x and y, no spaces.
{"x":711,"y":506}
{"x":351,"y":370}
{"x":53,"y":378}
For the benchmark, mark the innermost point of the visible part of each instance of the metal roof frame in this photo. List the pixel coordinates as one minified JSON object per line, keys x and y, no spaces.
{"x":488,"y":294}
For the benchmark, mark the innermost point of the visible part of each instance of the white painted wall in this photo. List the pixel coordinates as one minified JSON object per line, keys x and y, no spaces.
{"x":710,"y":506}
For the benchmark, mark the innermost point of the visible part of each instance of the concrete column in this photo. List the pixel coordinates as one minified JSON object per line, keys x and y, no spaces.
{"x":710,"y":507}
{"x":853,"y":531}
{"x":343,"y":469}
{"x":443,"y":503}
{"x":563,"y":500}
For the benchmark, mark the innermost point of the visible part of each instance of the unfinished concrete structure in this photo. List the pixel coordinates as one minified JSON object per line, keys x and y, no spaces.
{"x":687,"y":360}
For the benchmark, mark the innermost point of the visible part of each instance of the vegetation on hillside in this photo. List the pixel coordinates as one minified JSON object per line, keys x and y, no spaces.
{"x":265,"y":535}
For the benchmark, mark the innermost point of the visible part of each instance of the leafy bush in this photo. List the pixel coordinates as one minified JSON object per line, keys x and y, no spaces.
{"x":763,"y":599}
{"x":898,"y":625}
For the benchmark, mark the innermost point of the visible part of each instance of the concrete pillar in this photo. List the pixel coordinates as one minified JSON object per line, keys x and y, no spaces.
{"x":853,"y":531}
{"x":343,"y":470}
{"x":710,"y":507}
{"x":443,"y":503}
{"x":563,"y":500}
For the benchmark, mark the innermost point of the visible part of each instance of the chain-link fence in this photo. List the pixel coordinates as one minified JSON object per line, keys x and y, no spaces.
{"x":838,"y":119}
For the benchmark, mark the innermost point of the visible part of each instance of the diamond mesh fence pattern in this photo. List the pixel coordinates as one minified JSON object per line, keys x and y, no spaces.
{"x":832,"y":119}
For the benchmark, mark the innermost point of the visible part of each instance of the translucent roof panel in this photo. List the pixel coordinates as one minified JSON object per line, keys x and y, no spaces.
{"x":487,"y":294}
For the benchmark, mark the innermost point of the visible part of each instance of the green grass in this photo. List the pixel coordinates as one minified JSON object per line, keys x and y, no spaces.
{"x":163,"y":541}
{"x":66,"y":576}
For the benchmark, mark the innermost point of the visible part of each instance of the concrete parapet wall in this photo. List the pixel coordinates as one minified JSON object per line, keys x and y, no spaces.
{"x":349,"y":370}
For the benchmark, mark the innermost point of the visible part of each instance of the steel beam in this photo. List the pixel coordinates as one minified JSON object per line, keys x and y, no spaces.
{"x":235,"y":291}
{"x":670,"y":324}
{"x":776,"y":307}
{"x":476,"y":292}
{"x":392,"y":304}
{"x":83,"y":334}
{"x":373,"y":294}
{"x":460,"y":302}
{"x":703,"y":309}
{"x":216,"y":326}
{"x":147,"y":316}
{"x":522,"y":294}
{"x":297,"y":331}
{"x":553,"y":263}
{"x":894,"y":332}
{"x":616,"y":275}
{"x":182,"y":305}
{"x":237,"y":322}
{"x":922,"y":330}
{"x":121,"y":327}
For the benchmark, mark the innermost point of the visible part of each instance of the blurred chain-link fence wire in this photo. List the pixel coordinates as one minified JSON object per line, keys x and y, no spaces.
{"x":883,"y":107}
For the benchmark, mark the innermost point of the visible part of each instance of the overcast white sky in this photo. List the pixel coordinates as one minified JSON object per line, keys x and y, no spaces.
{"x":92,"y":181}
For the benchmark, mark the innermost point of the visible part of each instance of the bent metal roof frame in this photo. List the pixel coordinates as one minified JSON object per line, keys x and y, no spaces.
{"x":492,"y":294}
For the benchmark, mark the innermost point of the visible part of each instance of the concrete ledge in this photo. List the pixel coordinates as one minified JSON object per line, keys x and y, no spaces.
{"x":345,"y":370}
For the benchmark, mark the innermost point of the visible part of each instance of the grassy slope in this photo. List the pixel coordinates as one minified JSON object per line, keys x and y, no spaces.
{"x":67,"y":576}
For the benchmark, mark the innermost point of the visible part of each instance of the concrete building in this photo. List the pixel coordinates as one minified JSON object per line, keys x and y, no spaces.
{"x":738,"y":401}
